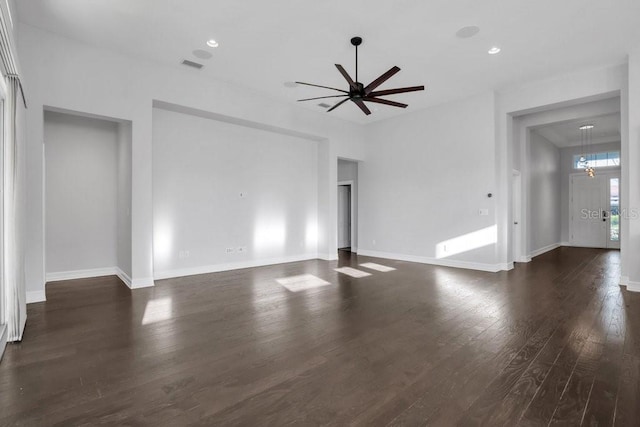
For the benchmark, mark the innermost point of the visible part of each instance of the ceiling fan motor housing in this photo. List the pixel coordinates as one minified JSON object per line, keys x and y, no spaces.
{"x":357,"y":92}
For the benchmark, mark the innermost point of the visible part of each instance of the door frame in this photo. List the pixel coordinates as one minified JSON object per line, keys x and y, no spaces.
{"x":351,"y":184}
{"x":517,"y":239}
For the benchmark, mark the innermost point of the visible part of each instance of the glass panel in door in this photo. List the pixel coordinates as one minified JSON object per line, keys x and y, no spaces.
{"x":614,"y":213}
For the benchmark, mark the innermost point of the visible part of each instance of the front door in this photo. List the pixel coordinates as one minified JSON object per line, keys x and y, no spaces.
{"x":595,"y":220}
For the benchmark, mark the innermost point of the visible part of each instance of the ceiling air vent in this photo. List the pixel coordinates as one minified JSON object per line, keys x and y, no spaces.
{"x":191,"y":64}
{"x":324,"y":105}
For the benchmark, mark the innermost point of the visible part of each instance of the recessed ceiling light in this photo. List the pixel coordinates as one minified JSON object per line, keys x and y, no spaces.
{"x":467,"y":32}
{"x":586,"y":127}
{"x":212,"y":43}
{"x":493,"y":50}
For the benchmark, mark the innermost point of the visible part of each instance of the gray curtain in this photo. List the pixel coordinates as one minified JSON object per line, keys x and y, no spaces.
{"x":15,"y":304}
{"x":13,"y":283}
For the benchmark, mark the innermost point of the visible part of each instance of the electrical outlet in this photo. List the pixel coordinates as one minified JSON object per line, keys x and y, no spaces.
{"x":230,"y":250}
{"x":242,"y":249}
{"x":183,"y":254}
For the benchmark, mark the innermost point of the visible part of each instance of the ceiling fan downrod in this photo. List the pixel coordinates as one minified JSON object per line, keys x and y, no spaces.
{"x":356,"y":41}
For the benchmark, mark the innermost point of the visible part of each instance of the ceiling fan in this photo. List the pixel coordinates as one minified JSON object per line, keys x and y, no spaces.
{"x":359,"y":93}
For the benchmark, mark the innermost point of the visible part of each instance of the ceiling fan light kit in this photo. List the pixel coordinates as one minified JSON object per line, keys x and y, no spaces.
{"x":358,"y":93}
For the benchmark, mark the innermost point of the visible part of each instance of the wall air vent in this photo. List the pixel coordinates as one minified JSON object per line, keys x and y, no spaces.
{"x":324,"y":105}
{"x":191,"y":64}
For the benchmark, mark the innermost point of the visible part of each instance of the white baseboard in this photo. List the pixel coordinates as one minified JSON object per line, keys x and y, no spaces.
{"x":327,"y":257}
{"x":145,"y":282}
{"x":523,"y":259}
{"x":633,"y":286}
{"x":624,"y":280}
{"x":493,"y":268}
{"x":506,"y":266}
{"x":137,"y":283}
{"x":3,"y":339}
{"x":544,"y":250}
{"x":82,"y":274}
{"x":36,"y":296}
{"x":168,"y":274}
{"x":565,"y":244}
{"x":123,"y":276}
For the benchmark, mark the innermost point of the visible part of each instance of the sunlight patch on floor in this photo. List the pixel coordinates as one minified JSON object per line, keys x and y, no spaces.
{"x":302,"y":282}
{"x":157,"y":310}
{"x":377,"y":267}
{"x":352,"y":272}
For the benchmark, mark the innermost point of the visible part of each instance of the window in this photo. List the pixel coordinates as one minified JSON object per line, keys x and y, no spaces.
{"x":597,"y":160}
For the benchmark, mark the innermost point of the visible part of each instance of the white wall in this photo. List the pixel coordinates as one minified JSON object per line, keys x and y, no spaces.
{"x":67,"y":74}
{"x":348,"y":171}
{"x":123,"y":173}
{"x":566,"y":169}
{"x":426,"y":177}
{"x":631,"y":147}
{"x":81,"y":193}
{"x":218,"y":185}
{"x":544,"y":226}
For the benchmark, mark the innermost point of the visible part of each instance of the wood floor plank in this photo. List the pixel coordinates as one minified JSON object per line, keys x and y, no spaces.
{"x":573,"y":402}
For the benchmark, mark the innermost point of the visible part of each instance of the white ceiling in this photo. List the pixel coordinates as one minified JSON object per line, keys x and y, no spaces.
{"x":266,"y":43}
{"x":568,"y":134}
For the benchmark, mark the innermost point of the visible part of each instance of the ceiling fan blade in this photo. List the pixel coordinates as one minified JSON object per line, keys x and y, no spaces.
{"x":322,"y":97}
{"x":359,"y":103}
{"x":338,"y":104}
{"x":394,"y":91}
{"x":386,"y":102}
{"x":383,"y":78}
{"x":347,"y":77}
{"x":324,"y":87}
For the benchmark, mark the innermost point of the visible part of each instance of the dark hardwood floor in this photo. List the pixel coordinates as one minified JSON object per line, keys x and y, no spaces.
{"x":556,"y":341}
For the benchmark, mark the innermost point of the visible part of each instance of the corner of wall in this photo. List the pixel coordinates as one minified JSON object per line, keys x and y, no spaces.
{"x":36,"y":296}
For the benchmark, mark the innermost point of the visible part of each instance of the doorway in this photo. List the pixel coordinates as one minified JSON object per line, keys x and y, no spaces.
{"x":344,"y":216}
{"x":595,"y":210}
{"x":547,"y":145}
{"x":347,"y":206}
